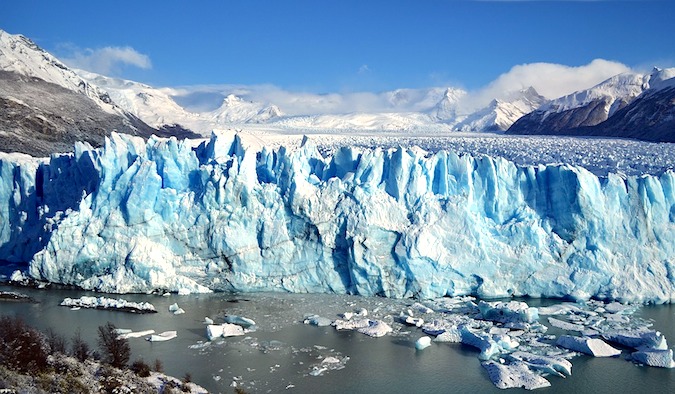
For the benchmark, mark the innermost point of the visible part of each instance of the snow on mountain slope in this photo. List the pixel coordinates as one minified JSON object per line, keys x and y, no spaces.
{"x":446,"y":108}
{"x":501,"y":114}
{"x":20,"y":55}
{"x":154,"y":106}
{"x":577,"y":112}
{"x":235,"y":110}
{"x":401,"y":222}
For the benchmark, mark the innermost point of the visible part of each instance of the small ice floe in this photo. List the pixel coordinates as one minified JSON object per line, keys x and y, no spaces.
{"x":423,"y":343}
{"x":244,"y":322}
{"x":175,"y":309}
{"x":164,"y":336}
{"x":208,"y":320}
{"x":593,"y":346}
{"x":75,"y":308}
{"x":559,"y":309}
{"x":488,"y":345}
{"x":119,"y":331}
{"x":511,"y":311}
{"x":214,"y":331}
{"x":410,"y":320}
{"x":376,"y":329}
{"x":316,"y":320}
{"x":373,"y":328}
{"x":565,"y":325}
{"x":135,"y":334}
{"x":450,"y":335}
{"x":546,"y":364}
{"x":662,"y":358}
{"x":361,"y":312}
{"x":514,"y":375}
{"x":637,"y":338}
{"x":420,"y":308}
{"x":109,"y":304}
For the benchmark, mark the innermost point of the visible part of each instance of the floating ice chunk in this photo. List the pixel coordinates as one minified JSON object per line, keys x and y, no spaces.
{"x":566,"y":325}
{"x":482,"y":341}
{"x":346,"y":315}
{"x":208,"y":320}
{"x":423,"y":343}
{"x":119,"y":331}
{"x":450,"y":335}
{"x":547,"y":364}
{"x":239,"y":320}
{"x":316,"y":320}
{"x":136,"y":334}
{"x":421,"y":308}
{"x":361,"y":312}
{"x":637,"y":339}
{"x":18,"y":276}
{"x":505,"y":341}
{"x":109,"y":303}
{"x":593,"y":346}
{"x":655,"y":357}
{"x":350,"y":324}
{"x":376,"y":329}
{"x":514,"y":375}
{"x":330,"y":360}
{"x":504,"y":312}
{"x":175,"y":309}
{"x":411,"y":321}
{"x":435,"y":327}
{"x":616,"y":307}
{"x":164,"y":336}
{"x":214,"y":331}
{"x":559,"y":309}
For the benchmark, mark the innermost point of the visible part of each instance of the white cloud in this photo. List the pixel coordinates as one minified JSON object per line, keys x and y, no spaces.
{"x":106,"y":60}
{"x":364,"y":69}
{"x":549,"y":79}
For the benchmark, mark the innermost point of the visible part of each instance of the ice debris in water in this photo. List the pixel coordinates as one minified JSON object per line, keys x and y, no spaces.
{"x":175,"y":309}
{"x":423,"y":343}
{"x":316,"y":320}
{"x":214,"y":331}
{"x":245,"y":322}
{"x":514,"y":375}
{"x":109,"y":303}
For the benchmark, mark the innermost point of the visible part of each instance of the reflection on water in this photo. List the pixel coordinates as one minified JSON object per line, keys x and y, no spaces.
{"x":285,"y":355}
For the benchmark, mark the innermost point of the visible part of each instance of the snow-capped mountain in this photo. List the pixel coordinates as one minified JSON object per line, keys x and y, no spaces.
{"x":445,"y":109}
{"x":20,"y":55}
{"x":579,"y":112}
{"x":500,"y":114}
{"x":235,"y":110}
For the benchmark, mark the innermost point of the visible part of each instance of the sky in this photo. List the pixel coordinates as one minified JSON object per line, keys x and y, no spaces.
{"x":351,"y":46}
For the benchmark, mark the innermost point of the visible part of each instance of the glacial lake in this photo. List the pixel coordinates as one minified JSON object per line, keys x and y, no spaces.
{"x":281,"y":355}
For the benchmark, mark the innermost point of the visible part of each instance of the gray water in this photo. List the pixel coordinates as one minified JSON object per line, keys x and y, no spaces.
{"x":280,"y":355}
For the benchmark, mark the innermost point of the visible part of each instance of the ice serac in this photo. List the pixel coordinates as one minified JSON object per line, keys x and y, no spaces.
{"x":164,"y":214}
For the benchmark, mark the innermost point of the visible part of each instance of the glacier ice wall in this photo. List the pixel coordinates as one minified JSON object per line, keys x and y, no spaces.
{"x":136,"y":216}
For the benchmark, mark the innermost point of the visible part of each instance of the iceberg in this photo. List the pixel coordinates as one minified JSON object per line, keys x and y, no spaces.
{"x":591,"y":346}
{"x":514,"y":375}
{"x":423,"y":343}
{"x":222,"y":214}
{"x":662,"y":358}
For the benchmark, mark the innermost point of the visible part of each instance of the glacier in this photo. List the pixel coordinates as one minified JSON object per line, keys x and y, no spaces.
{"x":223,"y":214}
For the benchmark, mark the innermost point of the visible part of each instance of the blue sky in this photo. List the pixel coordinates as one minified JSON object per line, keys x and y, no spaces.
{"x":341,"y":46}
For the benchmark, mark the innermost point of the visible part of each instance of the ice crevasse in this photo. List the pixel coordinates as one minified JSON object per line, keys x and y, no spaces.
{"x":134,"y":216}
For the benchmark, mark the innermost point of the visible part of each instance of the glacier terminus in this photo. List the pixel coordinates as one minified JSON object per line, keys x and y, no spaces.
{"x":221,"y":214}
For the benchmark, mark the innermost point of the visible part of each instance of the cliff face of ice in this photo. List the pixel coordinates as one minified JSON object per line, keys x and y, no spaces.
{"x":136,"y":216}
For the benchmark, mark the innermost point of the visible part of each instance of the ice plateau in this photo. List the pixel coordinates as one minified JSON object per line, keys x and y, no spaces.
{"x":135,"y":216}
